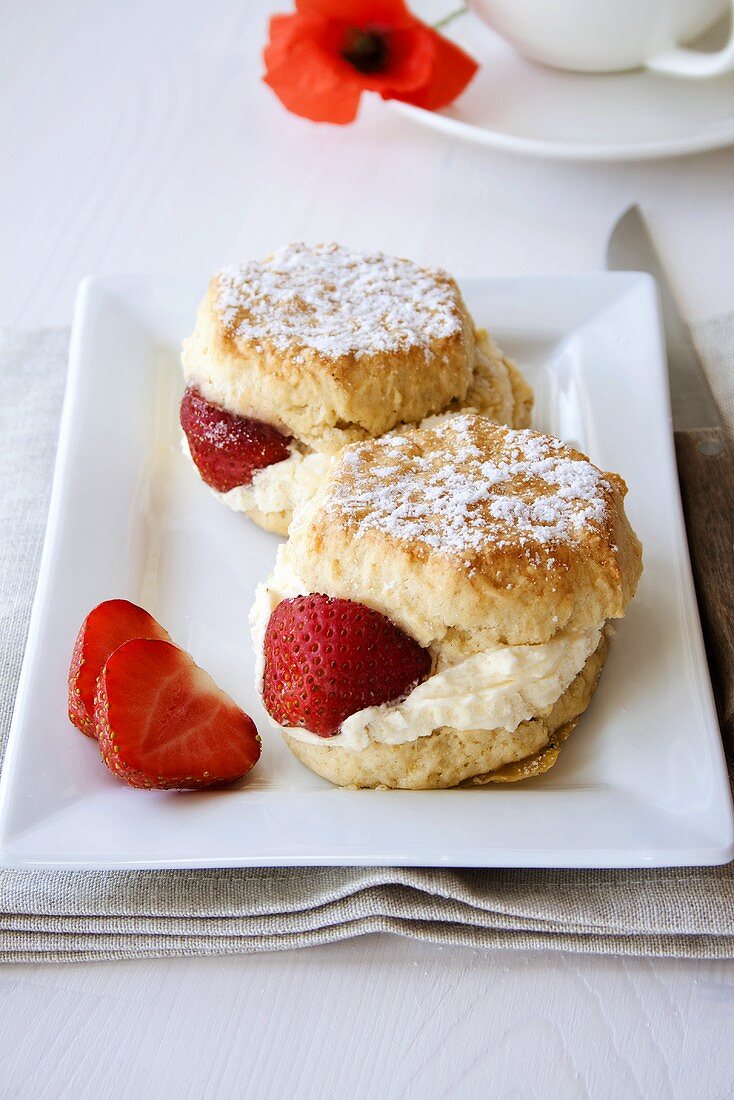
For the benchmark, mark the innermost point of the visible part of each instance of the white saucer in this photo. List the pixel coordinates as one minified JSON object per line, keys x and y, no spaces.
{"x":521,"y":106}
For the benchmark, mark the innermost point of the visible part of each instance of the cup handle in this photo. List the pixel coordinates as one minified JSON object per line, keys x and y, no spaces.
{"x":692,"y":63}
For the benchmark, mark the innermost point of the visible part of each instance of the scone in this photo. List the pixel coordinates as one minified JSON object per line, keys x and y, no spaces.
{"x":294,"y":357}
{"x":439,"y":614}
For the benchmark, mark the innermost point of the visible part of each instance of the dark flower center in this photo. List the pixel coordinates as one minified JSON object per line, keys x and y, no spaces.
{"x":366,"y":50}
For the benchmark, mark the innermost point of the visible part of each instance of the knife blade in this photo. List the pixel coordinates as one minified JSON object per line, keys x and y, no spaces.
{"x":631,"y":248}
{"x":704,"y":460}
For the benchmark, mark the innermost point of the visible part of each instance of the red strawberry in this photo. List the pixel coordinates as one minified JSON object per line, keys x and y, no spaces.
{"x":227,"y":449}
{"x":105,"y":628}
{"x":327,"y":658}
{"x":163,"y":722}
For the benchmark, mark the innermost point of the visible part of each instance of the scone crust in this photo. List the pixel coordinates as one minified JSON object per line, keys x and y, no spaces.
{"x":329,"y":392}
{"x":311,"y":379}
{"x":277,"y":523}
{"x":498,"y":390}
{"x":450,"y":757}
{"x":471,"y":528}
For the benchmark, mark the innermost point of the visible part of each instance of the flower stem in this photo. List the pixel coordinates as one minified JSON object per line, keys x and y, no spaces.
{"x":450,"y":18}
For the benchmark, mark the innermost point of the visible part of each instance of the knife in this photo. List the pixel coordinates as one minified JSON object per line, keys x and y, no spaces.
{"x":704,"y":459}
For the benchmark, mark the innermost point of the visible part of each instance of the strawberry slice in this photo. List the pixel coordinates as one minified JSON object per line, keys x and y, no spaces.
{"x":327,"y":658}
{"x":162,"y":721}
{"x":105,"y":628}
{"x":228,"y":450}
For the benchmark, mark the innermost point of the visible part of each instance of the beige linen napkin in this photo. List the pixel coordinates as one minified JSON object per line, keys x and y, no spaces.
{"x":63,"y":915}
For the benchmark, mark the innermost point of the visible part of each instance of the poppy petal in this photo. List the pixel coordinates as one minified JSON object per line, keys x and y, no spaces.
{"x":303,"y":76}
{"x":451,"y":71}
{"x":359,"y":13}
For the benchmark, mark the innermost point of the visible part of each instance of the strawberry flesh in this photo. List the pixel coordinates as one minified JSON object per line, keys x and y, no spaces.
{"x":228,"y":450}
{"x":163,"y":722}
{"x":105,"y":628}
{"x":327,"y":658}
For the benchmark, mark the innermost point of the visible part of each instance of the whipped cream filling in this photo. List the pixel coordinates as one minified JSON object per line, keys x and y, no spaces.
{"x":497,"y":688}
{"x":280,"y":487}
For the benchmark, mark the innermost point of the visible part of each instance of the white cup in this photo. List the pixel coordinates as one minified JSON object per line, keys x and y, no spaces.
{"x":595,"y":36}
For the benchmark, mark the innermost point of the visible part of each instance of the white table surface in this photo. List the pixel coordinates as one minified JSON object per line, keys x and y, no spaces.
{"x":136,"y":136}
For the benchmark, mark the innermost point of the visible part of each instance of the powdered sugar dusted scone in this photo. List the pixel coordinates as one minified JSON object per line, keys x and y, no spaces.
{"x":499,"y":554}
{"x":325,"y":347}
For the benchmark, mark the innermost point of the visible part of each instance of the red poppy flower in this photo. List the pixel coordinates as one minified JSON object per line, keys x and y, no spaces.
{"x":321,"y":58}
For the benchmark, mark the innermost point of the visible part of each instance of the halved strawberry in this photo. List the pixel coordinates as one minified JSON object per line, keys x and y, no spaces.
{"x":327,"y":658}
{"x":162,"y":721}
{"x":227,"y":449}
{"x":105,"y":628}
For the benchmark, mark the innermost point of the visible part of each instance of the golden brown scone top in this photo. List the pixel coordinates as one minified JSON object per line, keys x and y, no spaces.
{"x":468,"y":527}
{"x":341,"y":305}
{"x":334,"y":346}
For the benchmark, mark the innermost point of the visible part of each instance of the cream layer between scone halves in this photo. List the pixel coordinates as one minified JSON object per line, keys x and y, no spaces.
{"x":280,"y":487}
{"x":496,"y":688}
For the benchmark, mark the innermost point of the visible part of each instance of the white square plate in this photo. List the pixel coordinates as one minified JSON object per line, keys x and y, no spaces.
{"x":642,"y":781}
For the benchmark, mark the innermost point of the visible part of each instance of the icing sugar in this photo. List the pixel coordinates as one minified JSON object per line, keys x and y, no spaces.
{"x":531,"y":493}
{"x":337,"y":302}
